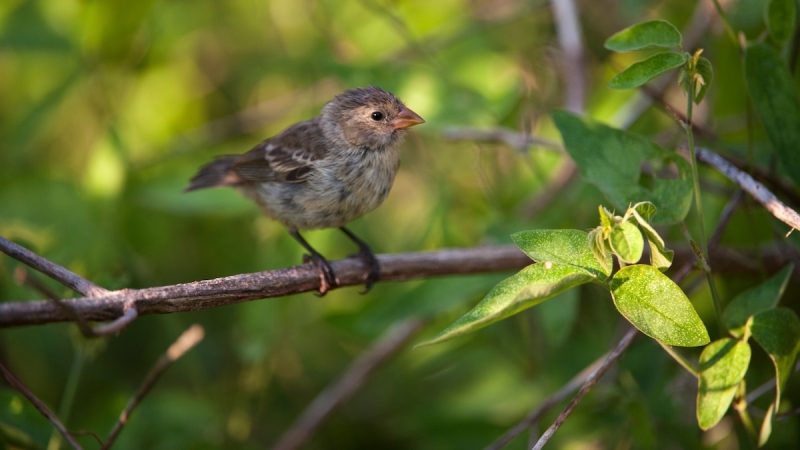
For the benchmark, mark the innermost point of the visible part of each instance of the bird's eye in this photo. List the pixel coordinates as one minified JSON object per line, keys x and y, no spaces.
{"x":376,"y":115}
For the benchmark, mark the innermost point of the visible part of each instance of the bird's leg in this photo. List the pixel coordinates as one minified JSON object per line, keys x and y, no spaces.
{"x":327,"y":279}
{"x":368,"y":258}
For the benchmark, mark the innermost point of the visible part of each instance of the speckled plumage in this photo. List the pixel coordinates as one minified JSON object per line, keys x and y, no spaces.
{"x":323,"y":172}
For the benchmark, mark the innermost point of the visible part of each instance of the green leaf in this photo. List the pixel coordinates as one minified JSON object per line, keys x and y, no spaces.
{"x":569,"y":247}
{"x":751,"y":302}
{"x":723,"y":365}
{"x":776,"y":101}
{"x":611,"y":159}
{"x":657,"y":306}
{"x":655,"y":33}
{"x":704,"y":70}
{"x":780,"y":18}
{"x":777,"y":331}
{"x":645,"y":210}
{"x":530,"y":286}
{"x":643,"y":71}
{"x":626,"y":242}
{"x":660,"y":257}
{"x":598,"y":246}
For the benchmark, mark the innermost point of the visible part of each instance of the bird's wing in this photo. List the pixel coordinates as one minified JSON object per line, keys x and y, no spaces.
{"x":288,"y":156}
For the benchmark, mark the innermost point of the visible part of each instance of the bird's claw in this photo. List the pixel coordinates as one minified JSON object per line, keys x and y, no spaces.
{"x":327,"y":278}
{"x":373,"y":272}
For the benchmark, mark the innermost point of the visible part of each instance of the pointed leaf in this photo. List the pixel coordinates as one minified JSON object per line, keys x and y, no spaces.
{"x":561,"y":246}
{"x":645,"y":210}
{"x":598,"y":246}
{"x":776,"y":101}
{"x":657,"y":306}
{"x":530,"y":286}
{"x":751,"y":302}
{"x":643,"y":71}
{"x":780,"y":18}
{"x":655,"y":33}
{"x":723,"y":365}
{"x":626,"y":242}
{"x":660,"y":257}
{"x":778,"y":332}
{"x":612,"y":159}
{"x":704,"y":70}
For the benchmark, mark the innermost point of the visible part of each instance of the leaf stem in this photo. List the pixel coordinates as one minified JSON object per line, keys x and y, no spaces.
{"x":728,"y":27}
{"x":690,"y":93}
{"x":680,"y":359}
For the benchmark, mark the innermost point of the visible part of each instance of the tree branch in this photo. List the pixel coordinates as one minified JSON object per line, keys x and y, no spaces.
{"x":751,"y":186}
{"x":123,"y":304}
{"x":350,"y":382}
{"x":51,"y":269}
{"x":16,"y":384}
{"x":183,"y":344}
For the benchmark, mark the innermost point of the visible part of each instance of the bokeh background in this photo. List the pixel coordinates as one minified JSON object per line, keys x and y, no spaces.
{"x":107,"y":108}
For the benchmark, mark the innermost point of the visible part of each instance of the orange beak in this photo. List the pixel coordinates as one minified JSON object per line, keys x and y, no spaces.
{"x":406,"y":118}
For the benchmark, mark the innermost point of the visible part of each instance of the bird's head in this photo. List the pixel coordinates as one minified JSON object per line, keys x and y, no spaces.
{"x":369,"y":117}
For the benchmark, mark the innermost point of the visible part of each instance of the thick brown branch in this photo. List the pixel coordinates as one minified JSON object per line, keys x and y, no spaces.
{"x":293,"y":280}
{"x":276,"y":283}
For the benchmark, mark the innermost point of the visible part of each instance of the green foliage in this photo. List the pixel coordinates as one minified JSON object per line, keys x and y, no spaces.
{"x":723,"y":365}
{"x":780,"y":16}
{"x":657,"y":306}
{"x":643,"y":71}
{"x":612,"y":160}
{"x":775,"y":99}
{"x":107,"y":108}
{"x":655,"y":33}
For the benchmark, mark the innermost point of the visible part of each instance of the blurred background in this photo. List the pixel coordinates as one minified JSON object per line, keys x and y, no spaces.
{"x":107,"y":108}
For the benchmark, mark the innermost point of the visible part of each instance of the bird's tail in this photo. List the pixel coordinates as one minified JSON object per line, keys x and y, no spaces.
{"x":216,"y":173}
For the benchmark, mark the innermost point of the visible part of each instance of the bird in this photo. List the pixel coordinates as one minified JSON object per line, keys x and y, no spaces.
{"x":323,"y":172}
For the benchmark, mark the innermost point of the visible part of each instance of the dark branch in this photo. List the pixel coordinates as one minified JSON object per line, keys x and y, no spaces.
{"x":183,"y":344}
{"x":16,"y":384}
{"x":293,"y":280}
{"x":51,"y":269}
{"x":345,"y":387}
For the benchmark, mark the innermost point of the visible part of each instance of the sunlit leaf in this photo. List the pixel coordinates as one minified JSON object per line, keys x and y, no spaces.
{"x":660,"y":256}
{"x":723,"y":365}
{"x":657,"y":306}
{"x":655,"y":33}
{"x":561,"y":246}
{"x":611,"y":159}
{"x":626,"y":242}
{"x":778,"y":332}
{"x":780,"y":18}
{"x":751,"y":302}
{"x":643,"y":71}
{"x":530,"y":286}
{"x":776,"y":101}
{"x":766,"y":425}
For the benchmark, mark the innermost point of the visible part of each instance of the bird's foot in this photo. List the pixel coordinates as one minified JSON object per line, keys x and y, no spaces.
{"x":327,"y":279}
{"x":370,"y":262}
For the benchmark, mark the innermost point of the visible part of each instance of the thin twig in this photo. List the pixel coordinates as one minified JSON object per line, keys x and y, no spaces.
{"x":517,"y":140}
{"x":350,"y":382}
{"x":545,"y":406}
{"x":570,"y":38}
{"x":16,"y":384}
{"x":183,"y":344}
{"x":592,"y":380}
{"x":51,"y":269}
{"x":752,"y":187}
{"x":725,"y":218}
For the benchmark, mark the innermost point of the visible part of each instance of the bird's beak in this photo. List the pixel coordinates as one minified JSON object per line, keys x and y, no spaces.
{"x":406,"y":118}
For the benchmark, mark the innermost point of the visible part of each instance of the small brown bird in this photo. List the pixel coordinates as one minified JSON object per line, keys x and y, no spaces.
{"x":324,"y":172}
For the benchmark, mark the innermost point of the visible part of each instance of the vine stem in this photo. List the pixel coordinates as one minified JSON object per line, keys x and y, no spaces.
{"x":699,"y":205}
